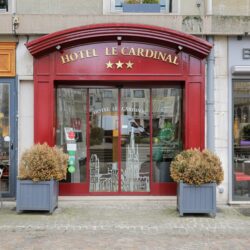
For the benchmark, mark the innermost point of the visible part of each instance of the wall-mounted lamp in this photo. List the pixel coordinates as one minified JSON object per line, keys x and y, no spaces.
{"x":15,"y":23}
{"x":119,"y":40}
{"x":179,"y":49}
{"x":58,"y":47}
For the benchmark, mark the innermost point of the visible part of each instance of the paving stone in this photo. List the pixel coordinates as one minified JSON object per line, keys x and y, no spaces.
{"x":122,"y":224}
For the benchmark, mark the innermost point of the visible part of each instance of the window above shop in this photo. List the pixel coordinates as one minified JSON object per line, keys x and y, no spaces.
{"x":3,"y":6}
{"x":139,"y":6}
{"x":143,"y":6}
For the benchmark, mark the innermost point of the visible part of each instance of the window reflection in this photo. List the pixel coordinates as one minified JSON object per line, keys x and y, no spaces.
{"x":103,"y":122}
{"x":71,"y":114}
{"x":123,"y":141}
{"x":4,"y":137}
{"x":241,"y":134}
{"x":135,"y":131}
{"x":167,"y":130}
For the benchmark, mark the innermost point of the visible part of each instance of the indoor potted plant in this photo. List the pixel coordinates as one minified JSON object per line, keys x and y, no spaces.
{"x":197,"y":174}
{"x":141,"y":6}
{"x":166,"y":147}
{"x":41,"y":167}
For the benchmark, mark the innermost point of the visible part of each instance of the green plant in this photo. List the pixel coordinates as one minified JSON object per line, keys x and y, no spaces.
{"x":42,"y":163}
{"x":195,"y":167}
{"x":165,"y":145}
{"x":166,"y":134}
{"x":133,"y":1}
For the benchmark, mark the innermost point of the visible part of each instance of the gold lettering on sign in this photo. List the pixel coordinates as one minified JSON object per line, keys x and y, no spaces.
{"x":91,"y":53}
{"x":140,"y":52}
{"x":73,"y":56}
{"x":111,"y":51}
{"x":125,"y":51}
{"x":132,"y":52}
{"x":107,"y":53}
{"x":155,"y":54}
{"x":82,"y":54}
{"x":168,"y":59}
{"x":65,"y":59}
{"x":161,"y":56}
{"x":149,"y":53}
{"x":175,"y":59}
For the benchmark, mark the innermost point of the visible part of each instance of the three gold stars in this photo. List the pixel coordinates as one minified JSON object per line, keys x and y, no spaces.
{"x":119,"y":65}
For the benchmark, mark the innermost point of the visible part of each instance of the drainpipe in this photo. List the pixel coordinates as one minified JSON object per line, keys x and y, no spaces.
{"x":209,"y":7}
{"x":210,"y":98}
{"x":13,"y":7}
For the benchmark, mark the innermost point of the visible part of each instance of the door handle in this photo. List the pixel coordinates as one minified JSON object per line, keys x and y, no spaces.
{"x":11,"y":145}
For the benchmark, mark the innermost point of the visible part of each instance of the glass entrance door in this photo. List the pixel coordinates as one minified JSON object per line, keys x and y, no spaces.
{"x":135,"y":138}
{"x":103,"y":140}
{"x":125,"y":138}
{"x":7,"y":137}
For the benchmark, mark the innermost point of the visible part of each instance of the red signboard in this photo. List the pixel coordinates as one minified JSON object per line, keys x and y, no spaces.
{"x":108,"y":58}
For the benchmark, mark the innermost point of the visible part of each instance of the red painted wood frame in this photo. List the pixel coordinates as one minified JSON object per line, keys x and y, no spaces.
{"x":84,"y":56}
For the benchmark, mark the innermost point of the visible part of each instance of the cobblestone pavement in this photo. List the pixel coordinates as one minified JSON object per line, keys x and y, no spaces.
{"x":122,"y":224}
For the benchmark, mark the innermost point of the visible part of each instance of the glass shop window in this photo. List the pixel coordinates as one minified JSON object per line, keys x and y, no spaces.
{"x":167,"y":130}
{"x":3,"y":6}
{"x":71,"y":116}
{"x":241,"y":140}
{"x":143,"y":6}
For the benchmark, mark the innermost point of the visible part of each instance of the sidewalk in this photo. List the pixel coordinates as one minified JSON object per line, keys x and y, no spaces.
{"x":110,"y":223}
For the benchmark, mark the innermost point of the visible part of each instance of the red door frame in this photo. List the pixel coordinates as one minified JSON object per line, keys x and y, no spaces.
{"x":190,"y":70}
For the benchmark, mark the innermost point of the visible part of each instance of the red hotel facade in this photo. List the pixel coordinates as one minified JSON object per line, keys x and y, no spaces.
{"x":127,"y":84}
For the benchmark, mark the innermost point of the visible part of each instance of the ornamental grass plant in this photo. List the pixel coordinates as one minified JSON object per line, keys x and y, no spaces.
{"x":195,"y":167}
{"x":43,"y":163}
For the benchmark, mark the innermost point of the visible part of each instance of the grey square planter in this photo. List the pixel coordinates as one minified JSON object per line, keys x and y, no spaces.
{"x":196,"y":199}
{"x":37,"y":196}
{"x":149,"y":8}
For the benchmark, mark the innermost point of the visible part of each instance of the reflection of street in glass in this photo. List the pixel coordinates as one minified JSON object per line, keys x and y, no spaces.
{"x":135,"y":168}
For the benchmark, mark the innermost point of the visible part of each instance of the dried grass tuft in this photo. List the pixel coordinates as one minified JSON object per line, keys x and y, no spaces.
{"x":195,"y":167}
{"x":42,"y":163}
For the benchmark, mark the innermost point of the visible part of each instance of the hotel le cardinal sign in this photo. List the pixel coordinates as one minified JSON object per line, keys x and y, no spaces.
{"x":127,"y":58}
